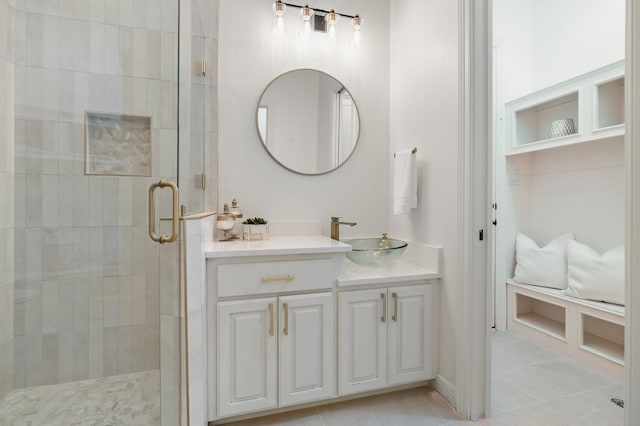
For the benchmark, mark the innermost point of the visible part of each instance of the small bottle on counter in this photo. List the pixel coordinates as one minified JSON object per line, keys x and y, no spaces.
{"x":236,"y":232}
{"x":225,"y":223}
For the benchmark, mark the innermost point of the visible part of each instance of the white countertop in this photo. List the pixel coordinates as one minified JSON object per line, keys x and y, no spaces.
{"x":397,"y":271}
{"x":275,"y":246}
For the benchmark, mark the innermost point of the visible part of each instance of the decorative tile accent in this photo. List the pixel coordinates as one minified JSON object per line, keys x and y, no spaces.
{"x":117,"y":145}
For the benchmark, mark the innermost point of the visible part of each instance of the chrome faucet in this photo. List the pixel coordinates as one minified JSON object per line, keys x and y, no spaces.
{"x":335,"y":227}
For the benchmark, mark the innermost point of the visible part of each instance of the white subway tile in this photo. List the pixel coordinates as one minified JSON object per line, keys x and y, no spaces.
{"x":96,"y":341}
{"x":65,"y":356}
{"x":112,"y":12}
{"x":98,"y":48}
{"x":96,"y":251}
{"x":33,"y":186}
{"x":50,"y":307}
{"x":33,"y":360}
{"x":125,"y":201}
{"x":124,"y":252}
{"x":80,"y":200}
{"x":111,"y":201}
{"x":154,"y":54}
{"x":50,"y":201}
{"x":140,"y":9}
{"x":81,"y":254}
{"x":65,"y":200}
{"x":82,"y":10}
{"x":96,"y":303}
{"x":125,"y":301}
{"x":139,"y":300}
{"x":139,"y":96}
{"x":139,"y":52}
{"x":65,"y":305}
{"x":49,"y":359}
{"x":110,"y":351}
{"x":96,"y":201}
{"x":50,"y":43}
{"x":126,"y":13}
{"x":111,"y":49}
{"x":67,"y":8}
{"x":81,"y":355}
{"x":126,"y":51}
{"x":34,"y":40}
{"x":110,"y":306}
{"x":97,"y":10}
{"x":139,"y":348}
{"x":125,"y":349}
{"x":50,"y":133}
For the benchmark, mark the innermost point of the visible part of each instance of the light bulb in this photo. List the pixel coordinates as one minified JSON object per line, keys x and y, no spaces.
{"x":306,"y":14}
{"x":279,"y":24}
{"x":332,"y":23}
{"x":357,"y":23}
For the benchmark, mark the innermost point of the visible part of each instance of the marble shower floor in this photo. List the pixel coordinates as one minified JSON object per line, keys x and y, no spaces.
{"x":531,"y":386}
{"x":130,"y":399}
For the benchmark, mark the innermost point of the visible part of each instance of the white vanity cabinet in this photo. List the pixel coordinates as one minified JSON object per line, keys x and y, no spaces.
{"x":275,"y":331}
{"x":247,"y":356}
{"x":385,"y":337}
{"x":254,"y":334}
{"x":279,"y":323}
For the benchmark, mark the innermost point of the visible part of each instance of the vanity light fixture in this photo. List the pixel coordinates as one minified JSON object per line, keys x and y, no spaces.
{"x":332,"y":22}
{"x":357,"y":23}
{"x":325,"y":21}
{"x":279,"y":22}
{"x":306,"y":12}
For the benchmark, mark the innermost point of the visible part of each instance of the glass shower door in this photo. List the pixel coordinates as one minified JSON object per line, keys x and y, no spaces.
{"x":96,"y":302}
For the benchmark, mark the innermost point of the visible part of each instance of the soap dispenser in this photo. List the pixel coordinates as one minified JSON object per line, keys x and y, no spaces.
{"x":236,"y":231}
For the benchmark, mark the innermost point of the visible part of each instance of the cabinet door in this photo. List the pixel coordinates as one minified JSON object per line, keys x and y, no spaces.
{"x":362,"y":320}
{"x":247,"y":356}
{"x":306,"y":341}
{"x":410,"y":334}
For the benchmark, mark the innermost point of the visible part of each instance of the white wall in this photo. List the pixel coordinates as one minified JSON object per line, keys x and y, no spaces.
{"x":424,"y":114}
{"x":572,"y":37}
{"x":250,"y":57}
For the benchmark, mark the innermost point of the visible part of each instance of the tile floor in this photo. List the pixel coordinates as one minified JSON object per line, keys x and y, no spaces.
{"x":130,"y":399}
{"x":531,"y":386}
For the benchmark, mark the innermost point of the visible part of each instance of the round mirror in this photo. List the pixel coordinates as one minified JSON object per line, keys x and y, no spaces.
{"x":308,"y":122}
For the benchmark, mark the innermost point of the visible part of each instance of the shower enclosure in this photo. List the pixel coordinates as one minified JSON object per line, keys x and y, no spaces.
{"x":99,"y":99}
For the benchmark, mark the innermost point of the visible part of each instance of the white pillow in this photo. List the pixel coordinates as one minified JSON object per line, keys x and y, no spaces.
{"x":546,"y":266}
{"x":594,"y":276}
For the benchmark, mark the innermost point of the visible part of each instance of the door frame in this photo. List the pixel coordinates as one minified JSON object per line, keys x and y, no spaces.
{"x":473,"y":351}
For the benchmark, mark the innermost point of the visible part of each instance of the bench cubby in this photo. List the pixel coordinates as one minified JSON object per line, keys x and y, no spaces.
{"x":588,"y":331}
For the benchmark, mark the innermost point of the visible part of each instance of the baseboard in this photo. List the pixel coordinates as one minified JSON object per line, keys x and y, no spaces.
{"x":446,"y":389}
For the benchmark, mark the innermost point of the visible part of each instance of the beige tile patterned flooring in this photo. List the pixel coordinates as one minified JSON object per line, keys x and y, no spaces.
{"x":531,"y":386}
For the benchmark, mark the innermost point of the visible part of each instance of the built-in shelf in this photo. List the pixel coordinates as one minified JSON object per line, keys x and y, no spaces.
{"x":603,"y":338}
{"x":594,"y":101}
{"x":540,"y":315}
{"x":609,"y":104}
{"x":589,"y":331}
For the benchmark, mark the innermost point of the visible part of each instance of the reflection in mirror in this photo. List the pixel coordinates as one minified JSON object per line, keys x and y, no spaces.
{"x":308,"y":122}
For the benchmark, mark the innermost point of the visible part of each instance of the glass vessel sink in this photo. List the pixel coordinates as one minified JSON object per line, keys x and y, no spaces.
{"x":376,"y":252}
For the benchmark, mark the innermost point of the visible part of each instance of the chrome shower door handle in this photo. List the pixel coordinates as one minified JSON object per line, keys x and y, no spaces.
{"x":175,"y":219}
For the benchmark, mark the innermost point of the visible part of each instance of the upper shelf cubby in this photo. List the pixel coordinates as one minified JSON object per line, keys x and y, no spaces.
{"x":593,"y":101}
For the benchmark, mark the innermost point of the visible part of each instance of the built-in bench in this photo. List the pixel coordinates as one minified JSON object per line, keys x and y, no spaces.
{"x":590,"y":332}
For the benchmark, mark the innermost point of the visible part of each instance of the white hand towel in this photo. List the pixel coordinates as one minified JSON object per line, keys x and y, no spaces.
{"x":405,"y":182}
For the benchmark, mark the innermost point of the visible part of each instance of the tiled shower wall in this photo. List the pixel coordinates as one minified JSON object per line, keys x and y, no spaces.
{"x":87,"y":274}
{"x":7,"y":14}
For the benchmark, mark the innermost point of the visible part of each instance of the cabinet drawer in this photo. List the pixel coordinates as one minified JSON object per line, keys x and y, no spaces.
{"x":274,"y":277}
